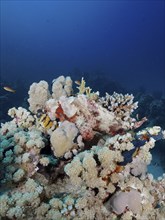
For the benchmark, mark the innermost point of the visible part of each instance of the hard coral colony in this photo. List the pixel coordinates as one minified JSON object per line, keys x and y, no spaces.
{"x":90,"y":163}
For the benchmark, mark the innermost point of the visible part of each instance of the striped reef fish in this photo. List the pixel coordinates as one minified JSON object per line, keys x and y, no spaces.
{"x":45,"y":121}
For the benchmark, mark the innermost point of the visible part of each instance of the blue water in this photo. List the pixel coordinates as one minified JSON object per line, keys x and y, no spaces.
{"x":121,"y":40}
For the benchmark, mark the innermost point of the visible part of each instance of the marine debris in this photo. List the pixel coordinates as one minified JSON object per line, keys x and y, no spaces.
{"x":75,"y":155}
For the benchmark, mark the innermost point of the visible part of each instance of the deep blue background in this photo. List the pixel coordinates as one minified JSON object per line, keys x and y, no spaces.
{"x":122,"y":39}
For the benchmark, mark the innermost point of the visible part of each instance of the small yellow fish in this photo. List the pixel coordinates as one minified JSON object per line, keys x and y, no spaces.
{"x":78,"y":82}
{"x":9,"y":89}
{"x":46,"y":121}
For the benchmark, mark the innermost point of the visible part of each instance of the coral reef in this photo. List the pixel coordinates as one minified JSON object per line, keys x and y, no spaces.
{"x":78,"y":156}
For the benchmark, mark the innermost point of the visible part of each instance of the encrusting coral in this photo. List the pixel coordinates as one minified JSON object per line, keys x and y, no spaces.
{"x":78,"y":156}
